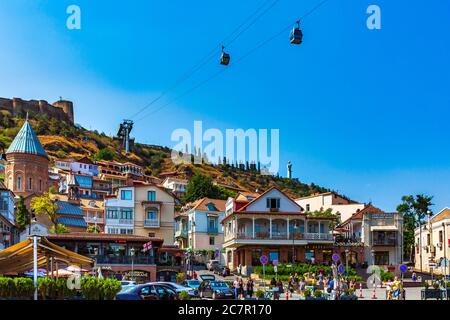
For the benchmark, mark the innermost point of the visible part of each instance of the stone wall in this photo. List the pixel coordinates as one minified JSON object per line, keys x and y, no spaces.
{"x":61,"y":110}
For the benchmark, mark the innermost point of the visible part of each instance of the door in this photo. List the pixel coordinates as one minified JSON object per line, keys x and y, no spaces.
{"x":148,"y":293}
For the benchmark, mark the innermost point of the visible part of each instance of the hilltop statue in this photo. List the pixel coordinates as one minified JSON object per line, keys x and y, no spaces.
{"x":289,"y":170}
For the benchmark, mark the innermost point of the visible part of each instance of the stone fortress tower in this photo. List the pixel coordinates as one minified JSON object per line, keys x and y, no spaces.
{"x":61,"y":110}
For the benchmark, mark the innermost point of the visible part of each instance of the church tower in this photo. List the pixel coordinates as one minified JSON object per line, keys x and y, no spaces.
{"x":26,"y":171}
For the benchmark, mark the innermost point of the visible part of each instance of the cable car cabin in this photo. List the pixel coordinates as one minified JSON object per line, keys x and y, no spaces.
{"x":296,"y":36}
{"x":225,"y":58}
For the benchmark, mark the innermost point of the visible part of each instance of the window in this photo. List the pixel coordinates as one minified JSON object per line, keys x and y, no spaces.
{"x":151,"y":196}
{"x":310,"y":256}
{"x":151,"y":235}
{"x":152,"y":214}
{"x":273,"y":203}
{"x":19,"y":183}
{"x":126,"y":195}
{"x":40,"y":185}
{"x":308,"y":208}
{"x":212,"y":224}
{"x":441,"y":237}
{"x":382,"y":258}
{"x":30,"y":183}
{"x":428,"y":239}
{"x":211,"y":241}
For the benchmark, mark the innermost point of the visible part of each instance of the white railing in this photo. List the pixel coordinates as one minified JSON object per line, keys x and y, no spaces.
{"x":151,"y":223}
{"x":281,"y":236}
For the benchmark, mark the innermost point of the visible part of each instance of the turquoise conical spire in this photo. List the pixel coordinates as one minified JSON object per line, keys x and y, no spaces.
{"x":27,"y":141}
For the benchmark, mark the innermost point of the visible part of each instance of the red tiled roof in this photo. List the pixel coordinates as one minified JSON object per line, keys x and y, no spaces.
{"x":101,"y":237}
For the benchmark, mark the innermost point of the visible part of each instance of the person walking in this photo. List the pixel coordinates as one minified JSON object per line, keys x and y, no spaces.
{"x":241,"y":288}
{"x":236,"y":287}
{"x":250,"y":287}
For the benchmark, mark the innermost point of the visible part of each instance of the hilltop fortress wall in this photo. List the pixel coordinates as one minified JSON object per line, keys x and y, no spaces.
{"x":61,"y":110}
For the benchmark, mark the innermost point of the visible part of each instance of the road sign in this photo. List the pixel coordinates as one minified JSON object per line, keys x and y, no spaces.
{"x":216,"y":253}
{"x":275,"y":269}
{"x":403,"y":268}
{"x":275,"y":262}
{"x":263,"y":260}
{"x":335,"y":257}
{"x":341,"y":269}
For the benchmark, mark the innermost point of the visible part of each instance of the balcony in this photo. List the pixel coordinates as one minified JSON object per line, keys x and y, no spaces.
{"x":384,"y":242}
{"x":181,"y":234}
{"x":152,"y":223}
{"x":212,"y":230}
{"x":113,"y":222}
{"x":284,"y":236}
{"x":93,"y":220}
{"x":110,"y":259}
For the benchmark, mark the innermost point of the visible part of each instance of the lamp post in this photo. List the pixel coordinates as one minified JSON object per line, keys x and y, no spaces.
{"x":346,"y":261}
{"x":432,"y":252}
{"x":132,"y":262}
{"x":445,"y":260}
{"x":294,"y":227}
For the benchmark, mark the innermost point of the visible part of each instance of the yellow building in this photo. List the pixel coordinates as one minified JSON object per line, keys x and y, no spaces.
{"x":142,"y":209}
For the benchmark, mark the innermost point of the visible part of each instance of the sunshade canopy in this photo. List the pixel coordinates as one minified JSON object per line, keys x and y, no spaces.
{"x":19,"y":257}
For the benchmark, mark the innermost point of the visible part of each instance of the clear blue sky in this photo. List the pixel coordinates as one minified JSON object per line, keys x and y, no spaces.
{"x":364,"y":112}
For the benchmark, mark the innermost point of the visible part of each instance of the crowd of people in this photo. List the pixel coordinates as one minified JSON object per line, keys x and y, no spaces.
{"x":243,"y":289}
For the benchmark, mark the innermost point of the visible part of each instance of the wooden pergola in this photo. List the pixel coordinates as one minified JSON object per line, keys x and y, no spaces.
{"x":19,"y":257}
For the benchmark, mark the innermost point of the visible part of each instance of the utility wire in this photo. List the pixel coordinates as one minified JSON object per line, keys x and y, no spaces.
{"x":212,"y":53}
{"x":260,"y":45}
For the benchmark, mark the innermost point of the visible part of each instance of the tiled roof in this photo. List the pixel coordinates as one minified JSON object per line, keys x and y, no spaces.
{"x":26,"y":141}
{"x":101,"y":236}
{"x":72,"y":222}
{"x":207,"y":204}
{"x":67,"y":208}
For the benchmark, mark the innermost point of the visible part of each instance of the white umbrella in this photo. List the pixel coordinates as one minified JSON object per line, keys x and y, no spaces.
{"x":74,"y":268}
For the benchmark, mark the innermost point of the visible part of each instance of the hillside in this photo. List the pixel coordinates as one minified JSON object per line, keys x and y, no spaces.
{"x":63,"y":140}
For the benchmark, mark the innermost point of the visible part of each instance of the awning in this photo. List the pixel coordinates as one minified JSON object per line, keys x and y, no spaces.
{"x":19,"y":257}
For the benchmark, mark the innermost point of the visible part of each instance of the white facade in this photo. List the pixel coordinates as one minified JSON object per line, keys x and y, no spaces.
{"x":330,"y":200}
{"x":119,"y":212}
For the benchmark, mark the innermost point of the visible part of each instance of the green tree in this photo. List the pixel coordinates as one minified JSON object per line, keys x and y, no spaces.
{"x":328,"y":213}
{"x":93,"y":229}
{"x":45,"y":205}
{"x":104,"y":154}
{"x":22,"y":214}
{"x":201,"y":186}
{"x":414,"y":211}
{"x":59,"y":228}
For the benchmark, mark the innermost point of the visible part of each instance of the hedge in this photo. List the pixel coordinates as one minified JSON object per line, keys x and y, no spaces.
{"x":58,"y":288}
{"x":300,"y":269}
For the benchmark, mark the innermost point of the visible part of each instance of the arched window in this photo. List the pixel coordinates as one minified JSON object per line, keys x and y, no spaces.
{"x":19,"y":183}
{"x":30,"y":183}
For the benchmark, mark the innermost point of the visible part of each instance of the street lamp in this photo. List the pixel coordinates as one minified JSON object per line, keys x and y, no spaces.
{"x":432,"y":252}
{"x":294,"y":227}
{"x":346,"y":260}
{"x":132,"y":262}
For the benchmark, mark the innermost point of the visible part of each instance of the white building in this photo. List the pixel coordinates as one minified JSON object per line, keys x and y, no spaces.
{"x":176,"y":185}
{"x":432,"y":249}
{"x":330,"y":200}
{"x":119,"y":217}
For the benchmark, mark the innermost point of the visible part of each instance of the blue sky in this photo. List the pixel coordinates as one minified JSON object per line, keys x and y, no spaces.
{"x":361,"y":111}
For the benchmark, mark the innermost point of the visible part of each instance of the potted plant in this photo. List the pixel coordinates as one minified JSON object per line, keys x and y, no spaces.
{"x":259,"y":294}
{"x":348,"y":294}
{"x":431,"y":293}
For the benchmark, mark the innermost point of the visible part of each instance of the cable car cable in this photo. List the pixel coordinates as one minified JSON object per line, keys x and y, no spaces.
{"x":209,"y":56}
{"x":260,"y":45}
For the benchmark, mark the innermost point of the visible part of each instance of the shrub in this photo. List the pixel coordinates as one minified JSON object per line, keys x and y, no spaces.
{"x":259,"y":294}
{"x":307,"y":293}
{"x":6,"y":287}
{"x":181,"y":276}
{"x":386,"y":276}
{"x":184,"y":295}
{"x":110,"y":288}
{"x":317,"y":293}
{"x":23,"y":287}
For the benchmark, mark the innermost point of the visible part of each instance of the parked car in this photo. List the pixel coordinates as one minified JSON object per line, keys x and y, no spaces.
{"x":147,"y":291}
{"x":178,"y":288}
{"x":213,"y":265}
{"x":207,"y":277}
{"x":215,"y":290}
{"x":126,"y":284}
{"x":194,"y":284}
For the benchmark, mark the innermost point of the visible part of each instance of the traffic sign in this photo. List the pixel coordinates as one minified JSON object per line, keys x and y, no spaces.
{"x":335,"y":257}
{"x":263,"y":260}
{"x":403,"y":268}
{"x":275,"y":269}
{"x":275,"y":262}
{"x":341,"y":269}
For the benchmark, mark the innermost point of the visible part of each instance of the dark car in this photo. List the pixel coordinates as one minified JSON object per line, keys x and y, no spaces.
{"x":147,"y":292}
{"x":193,"y":284}
{"x":215,"y":290}
{"x":178,"y":288}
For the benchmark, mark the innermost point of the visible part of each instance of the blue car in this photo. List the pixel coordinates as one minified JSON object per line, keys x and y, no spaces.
{"x":193,"y":284}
